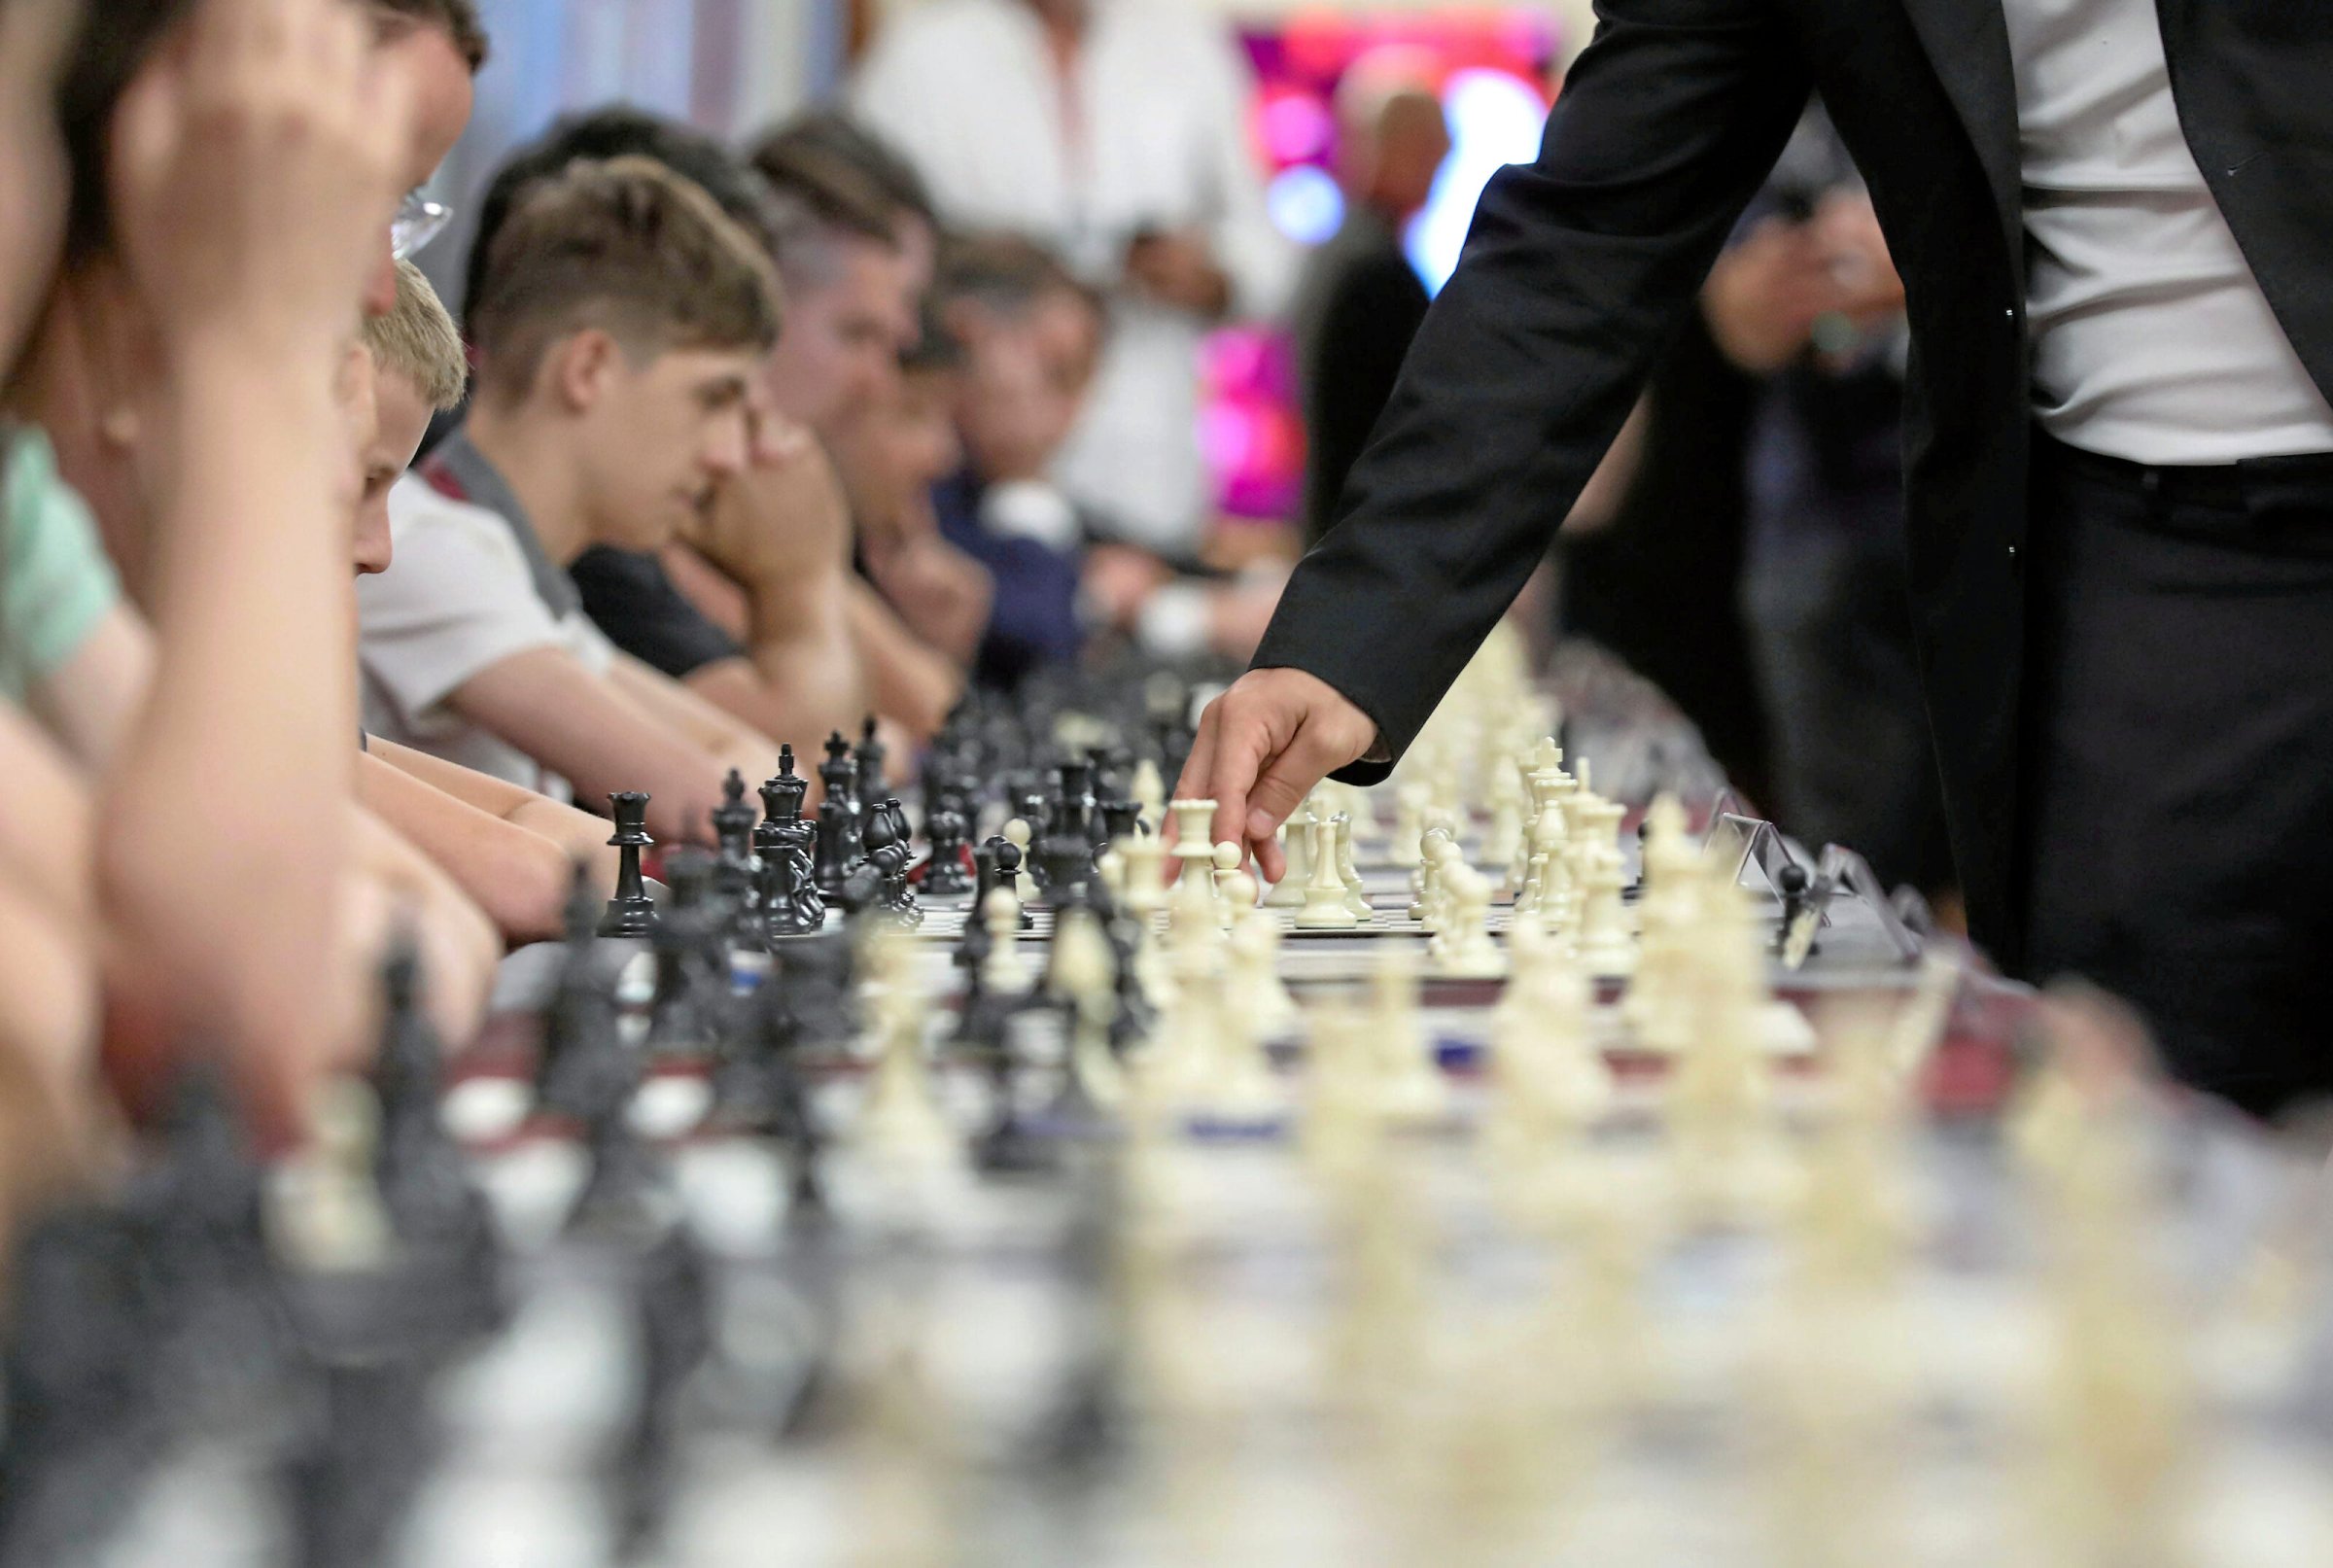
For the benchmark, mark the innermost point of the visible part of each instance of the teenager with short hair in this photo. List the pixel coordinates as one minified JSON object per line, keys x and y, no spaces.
{"x":620,"y":321}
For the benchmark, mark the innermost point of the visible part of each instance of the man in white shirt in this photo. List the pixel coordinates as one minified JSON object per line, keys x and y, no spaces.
{"x":1116,"y":132}
{"x":2110,"y":220}
{"x":621,"y":320}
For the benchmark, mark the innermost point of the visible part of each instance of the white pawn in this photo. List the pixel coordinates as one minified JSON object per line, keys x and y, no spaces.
{"x":902,"y":1125}
{"x":1025,"y":885}
{"x":1252,"y":1001}
{"x":1297,"y":838}
{"x":1442,"y":858}
{"x":1229,"y":860}
{"x":327,"y":1213}
{"x":1356,"y":896}
{"x":1004,"y":972}
{"x":1549,"y":1078}
{"x":1406,"y":1083}
{"x":1325,"y":908}
{"x":1256,"y":968}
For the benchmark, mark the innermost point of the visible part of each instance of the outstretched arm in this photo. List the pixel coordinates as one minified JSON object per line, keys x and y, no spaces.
{"x":1578,"y":268}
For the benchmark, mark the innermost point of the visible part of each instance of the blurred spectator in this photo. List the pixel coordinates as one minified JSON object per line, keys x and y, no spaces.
{"x":831,"y":135}
{"x":1359,"y":301}
{"x":1809,"y":301}
{"x":1114,"y":131}
{"x":1032,"y":336}
{"x":900,"y":450}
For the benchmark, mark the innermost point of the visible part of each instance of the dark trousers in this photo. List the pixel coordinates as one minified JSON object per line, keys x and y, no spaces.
{"x":2179,"y":748}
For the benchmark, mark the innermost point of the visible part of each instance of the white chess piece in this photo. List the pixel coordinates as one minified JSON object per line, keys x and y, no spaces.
{"x":1356,"y":896}
{"x":1468,"y":952}
{"x":1003,"y":971}
{"x":1149,"y":792}
{"x":1229,"y":860}
{"x":1502,"y":844}
{"x":1296,"y":838}
{"x":1143,"y":858}
{"x":1407,"y":1085}
{"x":1255,"y":967}
{"x":1549,"y":1079}
{"x":902,"y":1125}
{"x":1325,"y":908}
{"x":1410,"y":800}
{"x":326,"y":1212}
{"x":1254,"y":1006}
{"x":1025,"y":885}
{"x":1603,"y":941}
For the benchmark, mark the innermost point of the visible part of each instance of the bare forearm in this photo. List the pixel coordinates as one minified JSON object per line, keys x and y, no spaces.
{"x":519,"y":878}
{"x":909,"y":681}
{"x":245,"y":717}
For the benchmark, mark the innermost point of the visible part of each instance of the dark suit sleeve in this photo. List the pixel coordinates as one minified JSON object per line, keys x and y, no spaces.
{"x":1371,"y":318}
{"x":1577,"y":269}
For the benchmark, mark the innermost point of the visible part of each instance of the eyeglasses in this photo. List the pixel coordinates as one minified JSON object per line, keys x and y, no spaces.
{"x":418,"y":222}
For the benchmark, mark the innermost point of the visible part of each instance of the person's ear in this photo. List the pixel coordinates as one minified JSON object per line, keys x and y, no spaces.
{"x":584,"y":368}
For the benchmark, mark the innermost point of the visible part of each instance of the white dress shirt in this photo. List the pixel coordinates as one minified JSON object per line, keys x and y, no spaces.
{"x":2152,"y":340}
{"x":1153,"y":136}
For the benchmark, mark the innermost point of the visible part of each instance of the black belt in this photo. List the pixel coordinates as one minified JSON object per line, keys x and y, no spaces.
{"x":2258,"y":483}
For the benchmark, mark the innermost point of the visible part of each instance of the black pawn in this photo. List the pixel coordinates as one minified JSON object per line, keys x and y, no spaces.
{"x":1007,"y":858}
{"x":631,"y":912}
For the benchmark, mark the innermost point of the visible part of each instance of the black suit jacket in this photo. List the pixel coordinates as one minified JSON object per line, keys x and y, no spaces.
{"x":1580,"y":266}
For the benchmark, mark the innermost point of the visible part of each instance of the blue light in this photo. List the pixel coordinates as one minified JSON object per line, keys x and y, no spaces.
{"x":1495,"y":120}
{"x":1306,"y":204}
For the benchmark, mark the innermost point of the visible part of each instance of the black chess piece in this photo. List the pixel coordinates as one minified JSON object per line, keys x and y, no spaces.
{"x":440,"y":1217}
{"x":984,"y":877}
{"x":1120,"y":820}
{"x":1064,"y":854}
{"x":871,"y":756}
{"x":839,"y":773}
{"x":582,"y":1045}
{"x":692,"y":960}
{"x":944,"y":874}
{"x":889,"y":855}
{"x":733,"y":822}
{"x":792,"y":905}
{"x":1006,"y":856}
{"x":673,"y":1335}
{"x":631,"y":913}
{"x":782,"y":800}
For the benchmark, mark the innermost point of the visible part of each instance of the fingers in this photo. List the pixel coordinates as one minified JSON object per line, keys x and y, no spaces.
{"x":1243,"y":743}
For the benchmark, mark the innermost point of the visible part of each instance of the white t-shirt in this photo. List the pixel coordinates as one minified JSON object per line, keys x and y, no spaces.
{"x":458,"y":598}
{"x":2152,"y":340}
{"x":1155,"y":139}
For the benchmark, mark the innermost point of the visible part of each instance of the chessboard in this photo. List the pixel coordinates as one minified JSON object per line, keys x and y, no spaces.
{"x":1532,"y":1179}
